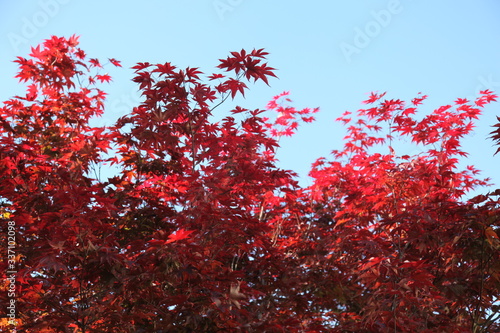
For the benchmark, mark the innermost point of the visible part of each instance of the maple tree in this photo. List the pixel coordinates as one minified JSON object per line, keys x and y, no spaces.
{"x":199,"y":230}
{"x":403,"y":253}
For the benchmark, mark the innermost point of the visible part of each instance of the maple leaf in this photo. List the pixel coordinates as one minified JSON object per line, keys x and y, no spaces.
{"x":418,"y":100}
{"x":80,"y":54}
{"x":179,"y":235}
{"x":73,"y":40}
{"x":32,"y":92}
{"x":260,"y":53}
{"x":215,"y":77}
{"x":259,"y":72}
{"x":192,"y":73}
{"x":166,"y":68}
{"x":141,"y":65}
{"x":95,"y":62}
{"x":36,"y":52}
{"x":234,"y":86}
{"x":103,"y":78}
{"x":144,"y":78}
{"x":115,"y":62}
{"x":238,"y":109}
{"x":373,"y":98}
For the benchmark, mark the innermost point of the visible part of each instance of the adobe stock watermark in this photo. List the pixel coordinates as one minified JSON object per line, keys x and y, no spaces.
{"x":485,"y":83}
{"x":11,"y":272}
{"x":223,"y":6}
{"x":363,"y":36}
{"x":126,"y":102}
{"x":31,"y":25}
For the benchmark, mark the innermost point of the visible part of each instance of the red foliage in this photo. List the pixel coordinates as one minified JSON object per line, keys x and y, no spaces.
{"x":201,"y":231}
{"x":404,"y":252}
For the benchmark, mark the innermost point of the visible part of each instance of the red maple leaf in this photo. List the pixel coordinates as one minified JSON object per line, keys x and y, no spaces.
{"x":115,"y":62}
{"x":103,"y":78}
{"x":95,"y":62}
{"x":179,"y":235}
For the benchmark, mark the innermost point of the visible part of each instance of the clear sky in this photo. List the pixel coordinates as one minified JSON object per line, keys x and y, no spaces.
{"x":329,"y":54}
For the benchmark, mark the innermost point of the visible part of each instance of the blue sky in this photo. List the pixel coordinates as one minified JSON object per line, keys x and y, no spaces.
{"x":329,"y":54}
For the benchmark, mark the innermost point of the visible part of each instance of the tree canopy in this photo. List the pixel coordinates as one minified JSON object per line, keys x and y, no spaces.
{"x":201,"y":231}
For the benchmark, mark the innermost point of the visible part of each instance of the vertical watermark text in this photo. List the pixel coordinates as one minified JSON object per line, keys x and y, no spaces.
{"x":11,"y":270}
